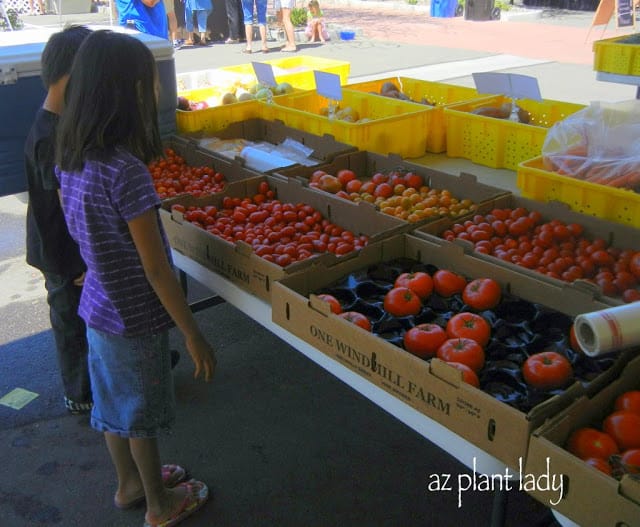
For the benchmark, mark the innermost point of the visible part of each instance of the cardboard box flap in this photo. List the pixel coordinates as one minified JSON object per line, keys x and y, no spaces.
{"x":630,"y":488}
{"x":319,"y":305}
{"x":555,"y":404}
{"x":445,"y":372}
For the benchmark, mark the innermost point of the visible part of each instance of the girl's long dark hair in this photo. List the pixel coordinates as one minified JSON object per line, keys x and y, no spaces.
{"x":110,"y":101}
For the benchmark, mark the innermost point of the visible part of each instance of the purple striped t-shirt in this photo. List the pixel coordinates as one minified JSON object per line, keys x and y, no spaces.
{"x":98,"y":202}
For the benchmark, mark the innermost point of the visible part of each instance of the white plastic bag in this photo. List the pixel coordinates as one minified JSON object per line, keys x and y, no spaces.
{"x":599,"y":144}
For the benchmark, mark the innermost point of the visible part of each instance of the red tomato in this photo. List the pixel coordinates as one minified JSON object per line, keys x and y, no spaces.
{"x":468,"y":375}
{"x":600,"y":464}
{"x":333,"y":302}
{"x":624,"y":427}
{"x":547,"y":370}
{"x":420,"y":283}
{"x":471,"y":326}
{"x":463,"y":350}
{"x":413,"y":180}
{"x":630,"y":460}
{"x":402,"y":302}
{"x":573,"y":340}
{"x":631,"y":295}
{"x":447,"y":283}
{"x":345,"y":175}
{"x":591,"y":443}
{"x":424,"y":340}
{"x":634,"y":264}
{"x":356,"y":318}
{"x":629,"y":401}
{"x":482,"y":293}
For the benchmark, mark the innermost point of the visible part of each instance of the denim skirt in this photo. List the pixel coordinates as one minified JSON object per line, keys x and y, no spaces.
{"x":132,"y":384}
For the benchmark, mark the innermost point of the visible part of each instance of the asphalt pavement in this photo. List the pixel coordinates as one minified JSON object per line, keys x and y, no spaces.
{"x":280,"y":441}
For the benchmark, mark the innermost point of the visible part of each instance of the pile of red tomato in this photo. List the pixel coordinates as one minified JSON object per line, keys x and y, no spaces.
{"x":172,"y":176}
{"x":613,"y":446}
{"x":552,"y":248}
{"x":282,"y":233}
{"x":518,"y":351}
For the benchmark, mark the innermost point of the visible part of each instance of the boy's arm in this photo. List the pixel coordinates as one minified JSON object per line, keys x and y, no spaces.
{"x":148,"y":241}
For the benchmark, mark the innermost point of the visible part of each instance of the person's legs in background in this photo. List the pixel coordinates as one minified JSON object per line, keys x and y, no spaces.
{"x":234,"y":20}
{"x":188,"y":22}
{"x":261,"y":8}
{"x":288,"y":30}
{"x":69,"y":332}
{"x":172,"y":22}
{"x":201,"y":18}
{"x":247,"y":15}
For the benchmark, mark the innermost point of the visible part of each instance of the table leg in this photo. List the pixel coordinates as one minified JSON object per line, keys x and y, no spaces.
{"x":498,"y":508}
{"x":199,"y":305}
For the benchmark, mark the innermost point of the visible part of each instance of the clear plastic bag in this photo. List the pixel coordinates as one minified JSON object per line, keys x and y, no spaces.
{"x":599,"y":144}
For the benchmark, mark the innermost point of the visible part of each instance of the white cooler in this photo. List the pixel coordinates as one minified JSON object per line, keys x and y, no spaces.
{"x":22,"y":93}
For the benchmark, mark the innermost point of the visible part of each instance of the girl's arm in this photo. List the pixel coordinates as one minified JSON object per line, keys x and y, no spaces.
{"x":148,"y":241}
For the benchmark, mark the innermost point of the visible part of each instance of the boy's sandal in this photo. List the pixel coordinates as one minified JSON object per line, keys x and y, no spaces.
{"x":265,"y":50}
{"x":197,"y":494}
{"x":247,"y":51}
{"x":171,"y":476}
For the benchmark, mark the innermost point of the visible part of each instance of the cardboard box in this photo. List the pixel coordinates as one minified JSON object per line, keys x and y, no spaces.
{"x":589,"y":496}
{"x":195,"y":156}
{"x":615,"y":234}
{"x":366,"y":164}
{"x":433,"y":388}
{"x":325,"y":148}
{"x":237,"y":262}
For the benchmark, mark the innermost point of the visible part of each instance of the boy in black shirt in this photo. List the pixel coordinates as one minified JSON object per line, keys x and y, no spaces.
{"x":50,"y":248}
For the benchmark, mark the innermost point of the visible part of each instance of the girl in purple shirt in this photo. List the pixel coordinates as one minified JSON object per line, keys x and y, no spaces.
{"x":107,"y":134}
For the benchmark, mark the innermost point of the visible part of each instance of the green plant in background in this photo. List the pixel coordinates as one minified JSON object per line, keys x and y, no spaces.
{"x":299,"y":16}
{"x":504,"y":6}
{"x":412,"y":2}
{"x":14,"y":18}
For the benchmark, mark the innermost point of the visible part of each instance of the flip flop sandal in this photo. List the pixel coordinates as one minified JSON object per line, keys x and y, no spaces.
{"x":172,"y":475}
{"x":197,"y":495}
{"x":265,"y":50}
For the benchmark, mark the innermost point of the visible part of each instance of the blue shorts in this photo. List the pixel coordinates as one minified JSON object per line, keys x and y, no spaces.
{"x":261,"y":11}
{"x":132,"y":384}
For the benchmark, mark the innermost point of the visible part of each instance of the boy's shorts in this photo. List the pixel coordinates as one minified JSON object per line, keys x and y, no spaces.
{"x":168,"y":6}
{"x":132,"y":384}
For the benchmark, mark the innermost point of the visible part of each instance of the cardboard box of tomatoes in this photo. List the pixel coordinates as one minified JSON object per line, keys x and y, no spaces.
{"x":247,"y":237}
{"x":383,"y":180}
{"x":591,"y":495}
{"x":187,"y":169}
{"x":532,"y":316}
{"x":602,"y":249}
{"x":316,"y":149}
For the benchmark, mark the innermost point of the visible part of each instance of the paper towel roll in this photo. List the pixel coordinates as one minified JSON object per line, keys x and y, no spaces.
{"x":609,"y":329}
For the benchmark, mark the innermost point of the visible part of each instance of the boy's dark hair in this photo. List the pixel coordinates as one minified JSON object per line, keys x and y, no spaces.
{"x":59,"y":52}
{"x":110,"y":102}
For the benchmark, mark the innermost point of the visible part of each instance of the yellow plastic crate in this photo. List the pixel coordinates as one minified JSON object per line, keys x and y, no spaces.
{"x":436,"y":93}
{"x":393,"y":126}
{"x":298,"y":70}
{"x":216,"y":118}
{"x":613,"y":204}
{"x":500,"y":143}
{"x":612,"y":55}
